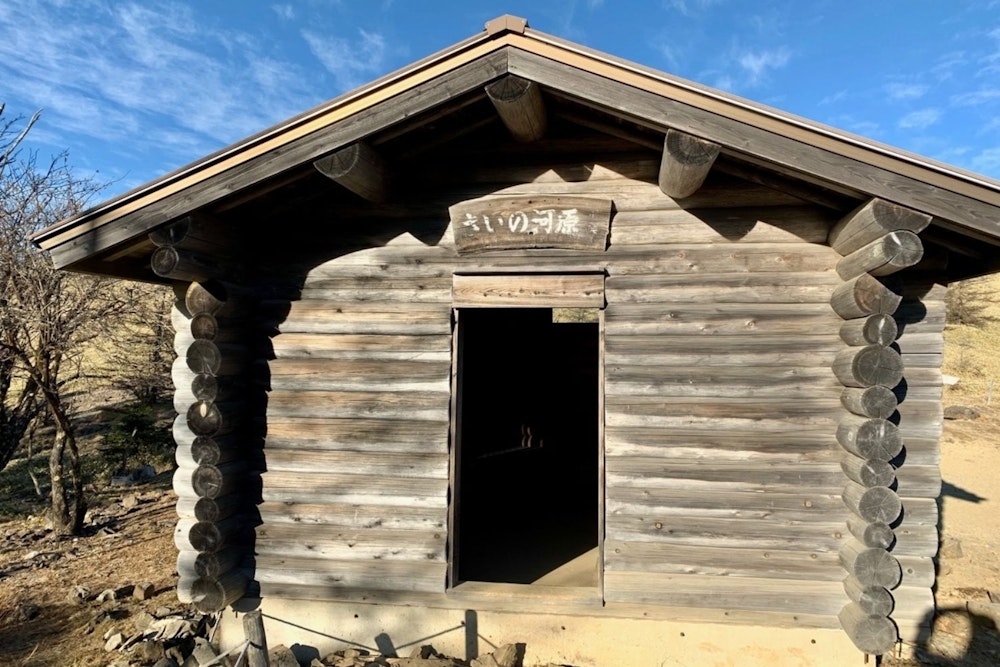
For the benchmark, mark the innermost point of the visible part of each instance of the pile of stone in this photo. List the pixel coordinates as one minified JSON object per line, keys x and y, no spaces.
{"x":508,"y":655}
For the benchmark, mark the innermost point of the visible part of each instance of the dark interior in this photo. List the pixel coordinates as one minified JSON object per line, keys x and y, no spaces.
{"x":527,"y":486}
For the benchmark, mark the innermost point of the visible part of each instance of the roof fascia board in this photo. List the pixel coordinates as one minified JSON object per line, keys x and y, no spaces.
{"x":311,"y":121}
{"x":654,"y":100}
{"x":758,"y":114}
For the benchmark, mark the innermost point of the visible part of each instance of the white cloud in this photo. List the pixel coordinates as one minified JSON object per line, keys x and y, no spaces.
{"x":284,"y":11}
{"x":905,"y":91}
{"x":986,"y":161}
{"x":351,"y":63}
{"x":833,"y":98}
{"x":976,"y":97}
{"x":757,"y":64}
{"x":920,"y":120}
{"x":691,"y":7}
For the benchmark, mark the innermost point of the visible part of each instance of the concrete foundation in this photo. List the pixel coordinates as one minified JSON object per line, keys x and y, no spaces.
{"x":313,"y":629}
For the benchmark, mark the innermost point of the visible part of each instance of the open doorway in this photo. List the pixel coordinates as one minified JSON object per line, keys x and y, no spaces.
{"x":527,"y":459}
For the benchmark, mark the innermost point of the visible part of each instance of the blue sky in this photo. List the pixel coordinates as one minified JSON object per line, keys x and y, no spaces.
{"x":135,"y":89}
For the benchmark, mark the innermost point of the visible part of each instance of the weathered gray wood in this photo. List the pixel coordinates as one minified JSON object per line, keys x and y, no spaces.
{"x":373,"y":347}
{"x":870,"y":566}
{"x":653,"y":473}
{"x":212,"y":595}
{"x":198,"y":233}
{"x":717,"y":319}
{"x":871,"y":534}
{"x":745,"y":287}
{"x":361,"y":576}
{"x":360,"y":169}
{"x":879,"y":329}
{"x":509,"y":223}
{"x":685,"y":163}
{"x":317,"y":317}
{"x":212,"y":481}
{"x":348,"y":516}
{"x":218,"y":298}
{"x":548,"y":290}
{"x":804,"y":505}
{"x":372,"y":462}
{"x":873,"y":504}
{"x":873,"y":600}
{"x":868,"y":472}
{"x":175,"y":264}
{"x":882,"y":257}
{"x":869,"y":366}
{"x":322,"y":432}
{"x":873,"y":220}
{"x":715,"y":381}
{"x":354,"y":489}
{"x":869,"y":438}
{"x":720,"y":561}
{"x":430,"y":406}
{"x":205,"y":418}
{"x":768,"y":224}
{"x":211,"y":536}
{"x":253,"y":630}
{"x":194,"y":564}
{"x":872,"y":633}
{"x":863,"y":296}
{"x":520,"y":106}
{"x":205,"y":326}
{"x":337,"y":543}
{"x":190,"y":506}
{"x":358,"y":375}
{"x":205,"y":357}
{"x":875,"y":402}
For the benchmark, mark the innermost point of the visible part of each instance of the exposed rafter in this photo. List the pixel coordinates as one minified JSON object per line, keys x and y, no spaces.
{"x":685,"y":164}
{"x":359,"y":169}
{"x":520,"y":106}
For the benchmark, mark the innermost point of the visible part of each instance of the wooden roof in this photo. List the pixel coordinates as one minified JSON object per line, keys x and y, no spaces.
{"x":433,"y":99}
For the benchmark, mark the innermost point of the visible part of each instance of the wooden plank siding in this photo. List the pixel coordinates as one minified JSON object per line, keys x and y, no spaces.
{"x":722,"y":476}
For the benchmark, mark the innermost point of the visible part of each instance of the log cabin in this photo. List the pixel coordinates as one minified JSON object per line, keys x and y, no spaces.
{"x":525,"y":341}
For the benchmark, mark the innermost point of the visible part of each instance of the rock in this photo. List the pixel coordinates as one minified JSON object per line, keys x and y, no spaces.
{"x":165,"y":662}
{"x":960,"y":412}
{"x":144,"y":473}
{"x":143,"y":591}
{"x":163,"y":612}
{"x":316,"y":662}
{"x":129,"y":501}
{"x":510,"y":655}
{"x":425,"y":651}
{"x":27,"y":611}
{"x":148,"y":651}
{"x":142,"y":620}
{"x":951,"y":547}
{"x":107,"y":595}
{"x":78,"y":594}
{"x":203,"y":652}
{"x":114,"y":642}
{"x":282,"y":656}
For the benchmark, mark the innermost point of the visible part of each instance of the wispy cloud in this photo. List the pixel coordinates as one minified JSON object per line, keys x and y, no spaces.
{"x":920,"y":120}
{"x":351,"y":62}
{"x":976,"y":97}
{"x":906,"y":91}
{"x":833,"y":98}
{"x":285,"y":12}
{"x":987,"y":161}
{"x":691,"y":7}
{"x":757,"y":64}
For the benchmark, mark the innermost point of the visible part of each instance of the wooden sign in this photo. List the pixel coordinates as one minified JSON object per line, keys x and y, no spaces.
{"x":513,"y":223}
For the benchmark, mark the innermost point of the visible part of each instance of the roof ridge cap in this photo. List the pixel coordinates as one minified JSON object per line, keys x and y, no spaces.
{"x":506,"y":23}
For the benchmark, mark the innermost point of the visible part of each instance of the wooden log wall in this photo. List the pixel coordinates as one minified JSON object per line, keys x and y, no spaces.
{"x":723,"y":473}
{"x":890,"y":481}
{"x":218,"y":444}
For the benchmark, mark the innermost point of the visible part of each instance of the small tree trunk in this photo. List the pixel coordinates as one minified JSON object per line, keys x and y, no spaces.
{"x":68,"y":506}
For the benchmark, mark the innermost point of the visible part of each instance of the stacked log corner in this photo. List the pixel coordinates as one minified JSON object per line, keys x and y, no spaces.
{"x":875,"y":240}
{"x":216,"y":444}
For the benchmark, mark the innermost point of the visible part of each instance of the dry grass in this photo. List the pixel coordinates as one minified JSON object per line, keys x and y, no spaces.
{"x":972,"y":351}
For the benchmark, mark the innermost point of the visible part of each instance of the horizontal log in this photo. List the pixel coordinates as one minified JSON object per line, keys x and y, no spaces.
{"x":520,"y":106}
{"x":875,"y":534}
{"x":212,"y":419}
{"x":867,"y":472}
{"x":882,"y":257}
{"x":875,"y":402}
{"x":398,"y":295}
{"x":771,"y":224}
{"x":726,"y":533}
{"x":195,"y":564}
{"x":873,"y":634}
{"x":393,"y":517}
{"x":650,"y":472}
{"x":175,"y":264}
{"x":869,"y":438}
{"x":794,"y":595}
{"x":685,"y":163}
{"x":870,"y":566}
{"x":359,"y":168}
{"x":327,"y":318}
{"x":556,"y":291}
{"x":803,"y":505}
{"x":357,"y":434}
{"x":211,"y":595}
{"x":873,"y":600}
{"x":335,"y":488}
{"x":221,"y":299}
{"x":212,"y":536}
{"x":717,"y":319}
{"x":190,"y":506}
{"x":374,"y":347}
{"x":872,"y":220}
{"x":429,"y":406}
{"x":206,"y":326}
{"x":360,"y":544}
{"x":365,"y":462}
{"x":360,"y":375}
{"x":196,"y":232}
{"x":869,"y":366}
{"x":376,"y":575}
{"x":863,"y":296}
{"x":204,"y":356}
{"x":212,"y":481}
{"x":873,"y":504}
{"x":878,"y":329}
{"x":715,"y":381}
{"x":671,"y":558}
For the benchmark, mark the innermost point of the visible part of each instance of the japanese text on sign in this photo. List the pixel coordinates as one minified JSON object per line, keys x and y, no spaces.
{"x":535,"y":221}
